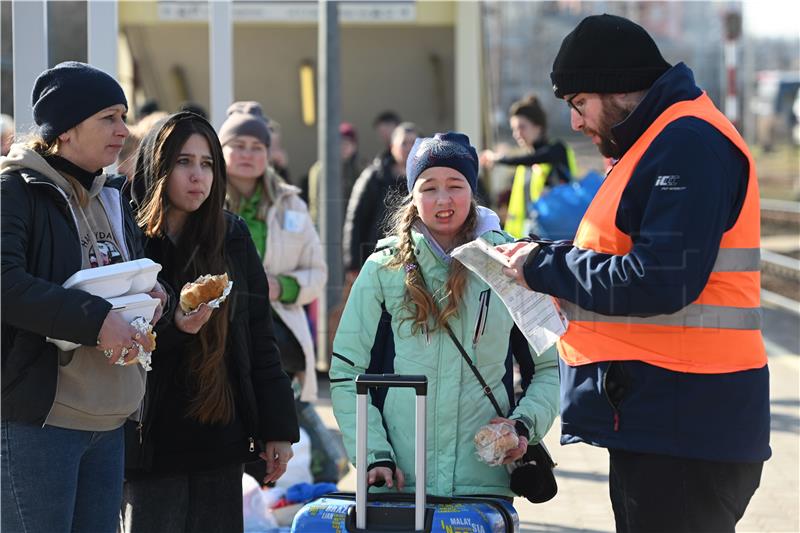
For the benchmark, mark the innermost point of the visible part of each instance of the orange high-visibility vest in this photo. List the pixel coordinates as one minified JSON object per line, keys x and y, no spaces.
{"x":720,"y":331}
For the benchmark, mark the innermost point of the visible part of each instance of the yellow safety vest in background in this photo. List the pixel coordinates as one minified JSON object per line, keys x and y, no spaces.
{"x":536,"y":176}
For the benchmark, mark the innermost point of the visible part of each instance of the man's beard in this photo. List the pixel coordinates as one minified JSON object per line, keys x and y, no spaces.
{"x":611,"y":115}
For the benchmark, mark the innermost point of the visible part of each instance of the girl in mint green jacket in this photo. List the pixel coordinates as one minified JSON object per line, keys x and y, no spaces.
{"x":394,"y":321}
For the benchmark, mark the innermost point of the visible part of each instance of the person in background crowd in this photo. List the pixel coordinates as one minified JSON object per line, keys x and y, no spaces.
{"x":413,"y":279}
{"x":284,"y":235}
{"x":278,"y":156}
{"x":217,"y":396}
{"x":63,"y":411}
{"x":351,"y":169}
{"x":663,"y":362}
{"x":193,"y":107}
{"x":544,"y":164}
{"x":127,"y":155}
{"x":149,"y":106}
{"x":126,"y":163}
{"x":384,"y":125}
{"x":6,"y":133}
{"x":366,"y":210}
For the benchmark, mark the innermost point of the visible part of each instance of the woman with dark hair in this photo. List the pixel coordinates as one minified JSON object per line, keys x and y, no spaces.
{"x":63,"y":411}
{"x":217,"y":396}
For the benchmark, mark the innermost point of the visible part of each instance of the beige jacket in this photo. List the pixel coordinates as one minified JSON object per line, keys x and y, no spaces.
{"x":294,"y":249}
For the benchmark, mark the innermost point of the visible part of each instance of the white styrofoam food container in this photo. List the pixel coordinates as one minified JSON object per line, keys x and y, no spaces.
{"x":129,"y":306}
{"x":109,"y":281}
{"x":122,"y":284}
{"x":132,"y":305}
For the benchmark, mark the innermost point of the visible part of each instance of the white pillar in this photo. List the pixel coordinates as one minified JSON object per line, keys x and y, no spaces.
{"x":468,"y":52}
{"x":29,"y":21}
{"x":220,"y":53}
{"x":102,"y":27}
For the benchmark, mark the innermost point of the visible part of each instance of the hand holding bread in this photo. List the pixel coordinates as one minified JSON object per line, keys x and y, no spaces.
{"x":194,"y":309}
{"x":193,"y":322}
{"x":201,"y":291}
{"x":494,"y":441}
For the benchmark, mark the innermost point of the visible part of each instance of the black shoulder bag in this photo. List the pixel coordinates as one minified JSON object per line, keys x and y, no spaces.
{"x":532,"y":475}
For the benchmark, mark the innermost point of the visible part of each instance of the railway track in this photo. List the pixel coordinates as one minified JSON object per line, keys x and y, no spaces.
{"x":780,"y":253}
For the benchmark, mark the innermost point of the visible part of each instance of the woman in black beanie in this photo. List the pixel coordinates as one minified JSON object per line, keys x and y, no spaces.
{"x":63,"y":411}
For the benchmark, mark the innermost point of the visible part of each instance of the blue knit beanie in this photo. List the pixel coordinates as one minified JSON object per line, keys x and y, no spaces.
{"x":451,"y":150}
{"x":69,"y":93}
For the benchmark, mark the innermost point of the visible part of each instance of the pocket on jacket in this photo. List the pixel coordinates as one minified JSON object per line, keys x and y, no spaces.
{"x":90,"y":385}
{"x":616,"y":383}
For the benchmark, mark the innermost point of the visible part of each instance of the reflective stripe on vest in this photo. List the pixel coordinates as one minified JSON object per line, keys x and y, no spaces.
{"x":717,"y":333}
{"x":691,"y":316}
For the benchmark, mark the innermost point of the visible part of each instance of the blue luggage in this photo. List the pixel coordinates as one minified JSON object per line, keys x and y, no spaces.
{"x":373,"y":513}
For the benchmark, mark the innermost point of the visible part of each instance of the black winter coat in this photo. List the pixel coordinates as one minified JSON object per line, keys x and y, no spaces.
{"x":40,"y":251}
{"x":365,"y":220}
{"x":171,"y":442}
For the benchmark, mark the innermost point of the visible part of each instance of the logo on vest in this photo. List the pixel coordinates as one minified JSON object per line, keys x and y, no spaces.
{"x":669,"y":183}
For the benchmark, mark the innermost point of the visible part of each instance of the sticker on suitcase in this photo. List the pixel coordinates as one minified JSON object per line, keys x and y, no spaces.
{"x":330,"y":514}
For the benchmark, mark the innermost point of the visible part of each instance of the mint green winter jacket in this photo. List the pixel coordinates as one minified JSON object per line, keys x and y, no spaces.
{"x":457,"y":407}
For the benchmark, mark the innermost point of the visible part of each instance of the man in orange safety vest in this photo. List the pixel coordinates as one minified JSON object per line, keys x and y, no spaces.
{"x":663,"y":362}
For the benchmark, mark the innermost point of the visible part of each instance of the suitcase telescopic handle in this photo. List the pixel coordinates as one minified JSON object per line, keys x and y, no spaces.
{"x":420,"y":385}
{"x":366,"y":381}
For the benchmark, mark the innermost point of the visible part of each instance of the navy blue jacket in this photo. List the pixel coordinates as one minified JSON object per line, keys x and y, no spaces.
{"x":676,"y":232}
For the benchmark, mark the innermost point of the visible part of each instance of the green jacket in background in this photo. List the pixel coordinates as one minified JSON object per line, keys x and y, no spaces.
{"x":457,"y":407}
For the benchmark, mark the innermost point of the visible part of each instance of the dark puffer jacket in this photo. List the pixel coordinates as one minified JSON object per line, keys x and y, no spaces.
{"x":364,"y":223}
{"x":172,"y":442}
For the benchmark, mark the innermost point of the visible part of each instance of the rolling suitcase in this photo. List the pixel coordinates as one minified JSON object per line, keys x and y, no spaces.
{"x":373,"y":513}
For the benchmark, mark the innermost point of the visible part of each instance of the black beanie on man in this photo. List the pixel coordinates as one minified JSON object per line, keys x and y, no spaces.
{"x":606,"y":54}
{"x":69,"y":93}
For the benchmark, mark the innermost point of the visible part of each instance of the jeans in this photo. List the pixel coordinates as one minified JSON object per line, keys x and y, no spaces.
{"x":207,"y":502}
{"x":658,"y":493}
{"x":57,"y":480}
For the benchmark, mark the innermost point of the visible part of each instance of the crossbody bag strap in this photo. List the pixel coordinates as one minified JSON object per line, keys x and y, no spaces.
{"x":487,"y":390}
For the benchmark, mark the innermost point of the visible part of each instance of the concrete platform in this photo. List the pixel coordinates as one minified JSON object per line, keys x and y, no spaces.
{"x":582,"y":503}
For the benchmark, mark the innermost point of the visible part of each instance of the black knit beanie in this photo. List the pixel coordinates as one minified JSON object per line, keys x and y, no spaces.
{"x":69,"y":93}
{"x":451,"y":150}
{"x":606,"y":54}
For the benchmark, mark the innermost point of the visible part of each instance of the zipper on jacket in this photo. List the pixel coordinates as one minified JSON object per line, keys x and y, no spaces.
{"x":142,"y":413}
{"x":483,"y":313}
{"x":252,"y":447}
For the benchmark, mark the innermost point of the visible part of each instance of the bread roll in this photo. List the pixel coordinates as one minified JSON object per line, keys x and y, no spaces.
{"x":150,"y":335}
{"x":493,"y":441}
{"x":202,"y":290}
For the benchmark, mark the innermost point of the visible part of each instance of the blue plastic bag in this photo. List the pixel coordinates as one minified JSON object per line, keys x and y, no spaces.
{"x":559,"y":211}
